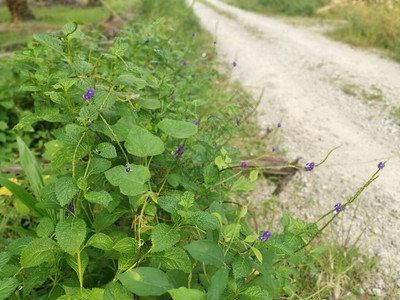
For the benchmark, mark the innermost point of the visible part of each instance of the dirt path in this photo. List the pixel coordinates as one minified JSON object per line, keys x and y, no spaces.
{"x":326,"y":94}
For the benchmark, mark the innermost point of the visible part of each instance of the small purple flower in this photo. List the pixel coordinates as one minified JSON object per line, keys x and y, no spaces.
{"x":237,"y":121}
{"x":244,"y":164}
{"x":71,"y":209}
{"x":279,"y":125}
{"x":86,"y":97}
{"x":216,"y":146}
{"x":230,"y":119}
{"x":309,"y":166}
{"x":196,"y":122}
{"x":265,"y":236}
{"x":173,"y":96}
{"x":112,"y":30}
{"x":90,"y":124}
{"x":90,"y":92}
{"x":179,"y":152}
{"x":273,"y":149}
{"x":234,"y":64}
{"x":128,"y":169}
{"x":193,"y":35}
{"x":381,"y":165}
{"x":215,"y":42}
{"x":184,"y":63}
{"x":338,"y":207}
{"x":134,"y":110}
{"x":98,"y":151}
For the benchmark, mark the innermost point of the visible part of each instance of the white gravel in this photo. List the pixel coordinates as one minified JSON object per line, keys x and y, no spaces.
{"x":305,"y":76}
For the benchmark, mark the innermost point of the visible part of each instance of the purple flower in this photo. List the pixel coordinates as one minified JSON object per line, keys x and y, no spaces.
{"x":184,"y":63}
{"x":196,"y":122}
{"x":128,"y":169}
{"x":173,"y":96}
{"x":90,"y":92}
{"x":273,"y":149}
{"x":179,"y":152}
{"x":86,"y":97}
{"x":112,"y":30}
{"x":71,"y":209}
{"x":215,"y":42}
{"x":338,"y":207}
{"x":279,"y":125}
{"x":193,"y":34}
{"x":265,"y":236}
{"x":244,"y":164}
{"x":237,"y":121}
{"x":230,"y":119}
{"x":216,"y":146}
{"x":90,"y":124}
{"x":381,"y":165}
{"x":134,"y":110}
{"x":98,"y":151}
{"x":234,"y":64}
{"x":309,"y":166}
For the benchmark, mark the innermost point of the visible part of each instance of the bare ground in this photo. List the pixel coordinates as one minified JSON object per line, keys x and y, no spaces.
{"x":325,"y":94}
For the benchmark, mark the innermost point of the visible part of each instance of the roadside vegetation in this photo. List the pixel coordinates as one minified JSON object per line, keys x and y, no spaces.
{"x":126,"y":155}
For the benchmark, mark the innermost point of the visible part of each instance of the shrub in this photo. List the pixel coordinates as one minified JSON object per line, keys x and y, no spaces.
{"x":293,"y":7}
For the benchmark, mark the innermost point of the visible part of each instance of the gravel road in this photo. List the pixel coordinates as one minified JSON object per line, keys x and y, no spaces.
{"x":325,"y":94}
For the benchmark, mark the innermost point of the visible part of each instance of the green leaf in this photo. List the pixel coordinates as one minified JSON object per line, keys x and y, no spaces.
{"x":131,"y":183}
{"x":98,"y":166}
{"x":35,"y":277}
{"x":178,"y":129}
{"x":72,"y":261}
{"x":125,"y":245}
{"x":4,"y":258}
{"x":82,"y":67}
{"x":65,"y":84}
{"x":50,"y":41}
{"x":25,"y":197}
{"x":218,"y":284}
{"x":100,"y":241}
{"x":65,"y":189}
{"x":107,"y":150}
{"x":241,"y":267}
{"x":210,"y":174}
{"x":105,"y":219}
{"x":174,"y":258}
{"x":255,"y":293}
{"x":145,"y":281}
{"x":69,"y":28}
{"x":202,"y":219}
{"x":103,"y":198}
{"x":31,"y":167}
{"x":142,"y":143}
{"x":17,"y":245}
{"x":231,"y":231}
{"x":169,"y":204}
{"x":183,"y":293}
{"x":45,"y":227}
{"x":148,"y":103}
{"x":7,"y":286}
{"x":70,"y":234}
{"x":257,"y":253}
{"x":115,"y":291}
{"x":131,"y":80}
{"x":207,"y":252}
{"x":37,"y":252}
{"x":241,"y":185}
{"x":163,"y":237}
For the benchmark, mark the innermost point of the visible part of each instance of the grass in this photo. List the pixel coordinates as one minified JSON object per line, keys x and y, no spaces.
{"x":53,"y":18}
{"x":371,"y":25}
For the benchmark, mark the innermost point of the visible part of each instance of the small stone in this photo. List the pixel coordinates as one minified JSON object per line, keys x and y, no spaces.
{"x":376,"y":291}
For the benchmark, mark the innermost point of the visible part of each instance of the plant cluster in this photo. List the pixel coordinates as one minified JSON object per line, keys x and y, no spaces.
{"x":136,"y":200}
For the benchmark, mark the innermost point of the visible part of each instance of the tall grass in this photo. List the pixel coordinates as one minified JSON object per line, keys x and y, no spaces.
{"x":373,"y":25}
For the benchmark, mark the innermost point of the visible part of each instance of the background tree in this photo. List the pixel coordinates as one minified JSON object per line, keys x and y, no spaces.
{"x":19,"y":10}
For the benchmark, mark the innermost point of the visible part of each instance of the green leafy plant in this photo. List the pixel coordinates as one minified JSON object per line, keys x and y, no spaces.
{"x":136,"y":196}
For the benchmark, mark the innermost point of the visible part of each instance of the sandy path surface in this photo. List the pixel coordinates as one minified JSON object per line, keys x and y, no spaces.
{"x":319,"y":88}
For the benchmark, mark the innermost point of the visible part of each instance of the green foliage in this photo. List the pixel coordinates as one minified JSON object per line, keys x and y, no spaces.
{"x":293,"y":7}
{"x":137,"y":199}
